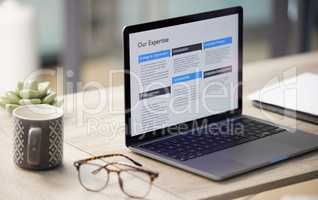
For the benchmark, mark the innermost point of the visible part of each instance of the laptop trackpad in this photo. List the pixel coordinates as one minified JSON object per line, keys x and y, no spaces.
{"x":217,"y":164}
{"x":244,"y":157}
{"x":264,"y":151}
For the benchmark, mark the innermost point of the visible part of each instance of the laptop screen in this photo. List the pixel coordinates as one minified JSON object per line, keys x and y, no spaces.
{"x":183,"y":72}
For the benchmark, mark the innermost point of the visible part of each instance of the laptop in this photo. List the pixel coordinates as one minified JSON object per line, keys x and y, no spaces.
{"x":183,"y":98}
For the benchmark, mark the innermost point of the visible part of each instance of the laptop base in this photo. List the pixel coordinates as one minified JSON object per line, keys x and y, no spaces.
{"x":240,"y":159}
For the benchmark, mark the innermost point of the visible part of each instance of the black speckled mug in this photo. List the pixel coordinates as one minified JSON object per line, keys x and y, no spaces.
{"x":38,"y":136}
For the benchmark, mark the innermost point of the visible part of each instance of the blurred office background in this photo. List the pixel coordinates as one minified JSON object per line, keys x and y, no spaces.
{"x":101,"y":22}
{"x":81,"y":32}
{"x":84,"y":37}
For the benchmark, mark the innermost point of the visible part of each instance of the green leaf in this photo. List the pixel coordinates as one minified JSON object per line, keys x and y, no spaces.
{"x":3,"y":102}
{"x":31,"y":85}
{"x":50,"y":91}
{"x":43,"y":88}
{"x":29,"y":94}
{"x":49,"y":98}
{"x":19,"y":88}
{"x":12,"y":97}
{"x":30,"y":101}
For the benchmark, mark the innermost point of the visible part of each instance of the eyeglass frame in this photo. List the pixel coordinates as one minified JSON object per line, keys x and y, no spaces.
{"x":152,"y":175}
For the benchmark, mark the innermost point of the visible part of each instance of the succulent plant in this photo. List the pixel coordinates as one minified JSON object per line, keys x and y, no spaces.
{"x":29,"y":92}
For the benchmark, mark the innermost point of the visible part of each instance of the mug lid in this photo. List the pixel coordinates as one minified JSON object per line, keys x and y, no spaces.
{"x":39,"y":112}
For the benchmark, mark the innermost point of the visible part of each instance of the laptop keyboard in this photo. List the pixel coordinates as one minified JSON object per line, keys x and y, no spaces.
{"x":199,"y":143}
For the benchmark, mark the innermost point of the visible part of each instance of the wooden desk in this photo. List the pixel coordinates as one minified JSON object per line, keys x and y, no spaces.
{"x":90,"y":132}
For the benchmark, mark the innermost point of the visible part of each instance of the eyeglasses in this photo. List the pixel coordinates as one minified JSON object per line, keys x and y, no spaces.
{"x":134,"y":181}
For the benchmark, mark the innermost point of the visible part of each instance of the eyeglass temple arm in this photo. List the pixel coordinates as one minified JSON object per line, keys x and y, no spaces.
{"x":122,"y":155}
